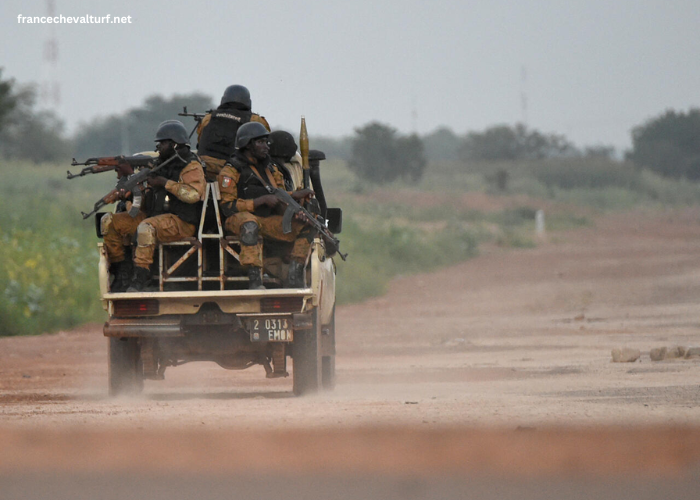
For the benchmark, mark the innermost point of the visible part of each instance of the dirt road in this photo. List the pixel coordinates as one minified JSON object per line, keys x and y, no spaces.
{"x":507,"y":353}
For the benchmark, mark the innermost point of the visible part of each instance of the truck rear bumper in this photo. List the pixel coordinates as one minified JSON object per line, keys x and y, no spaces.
{"x":143,"y":327}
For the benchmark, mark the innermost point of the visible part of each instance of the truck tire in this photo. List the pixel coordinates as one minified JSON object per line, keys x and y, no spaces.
{"x":125,"y":369}
{"x":306,"y":356}
{"x":328,"y":359}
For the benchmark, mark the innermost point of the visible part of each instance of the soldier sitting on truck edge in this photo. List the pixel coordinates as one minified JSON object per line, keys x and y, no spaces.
{"x":171,"y":212}
{"x":217,"y":131}
{"x":251,"y":212}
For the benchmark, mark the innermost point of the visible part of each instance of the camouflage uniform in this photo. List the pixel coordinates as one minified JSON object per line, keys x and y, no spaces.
{"x":239,"y":183}
{"x":159,"y":222}
{"x":215,"y":151}
{"x":293,"y":172}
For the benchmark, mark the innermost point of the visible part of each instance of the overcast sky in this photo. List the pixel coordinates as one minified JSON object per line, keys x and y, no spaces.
{"x":590,"y":69}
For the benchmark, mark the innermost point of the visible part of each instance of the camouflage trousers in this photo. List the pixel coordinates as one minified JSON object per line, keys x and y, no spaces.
{"x":149,"y":232}
{"x":212,"y":167}
{"x":271,"y":230}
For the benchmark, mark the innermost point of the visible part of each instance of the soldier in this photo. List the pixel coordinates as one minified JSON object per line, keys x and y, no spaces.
{"x":252,"y":213}
{"x":283,"y":151}
{"x":172,"y":210}
{"x":217,"y":131}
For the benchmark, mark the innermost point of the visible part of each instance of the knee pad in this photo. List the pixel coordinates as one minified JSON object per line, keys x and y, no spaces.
{"x":249,"y":233}
{"x":145,"y":235}
{"x":105,"y":224}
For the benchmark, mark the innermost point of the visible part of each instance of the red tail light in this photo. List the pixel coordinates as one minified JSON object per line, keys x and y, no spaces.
{"x":281,"y":304}
{"x":139,"y":307}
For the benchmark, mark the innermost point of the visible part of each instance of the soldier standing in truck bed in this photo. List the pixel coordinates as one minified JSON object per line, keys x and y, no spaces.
{"x":217,"y":131}
{"x":171,"y":212}
{"x":252,"y":213}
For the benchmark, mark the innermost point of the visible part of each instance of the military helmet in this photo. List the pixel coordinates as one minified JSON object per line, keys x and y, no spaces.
{"x":236,"y":93}
{"x":173,"y":130}
{"x":282,"y":144}
{"x":249,"y":132}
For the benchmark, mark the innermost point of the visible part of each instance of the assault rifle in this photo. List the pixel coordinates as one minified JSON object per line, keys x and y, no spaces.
{"x":131,"y":183}
{"x":295,"y":210}
{"x":198,"y":117}
{"x":107,"y":163}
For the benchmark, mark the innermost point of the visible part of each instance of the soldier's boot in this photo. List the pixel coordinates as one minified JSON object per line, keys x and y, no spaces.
{"x":139,"y":280}
{"x":122,"y":272}
{"x":255,"y":278}
{"x":295,"y":276}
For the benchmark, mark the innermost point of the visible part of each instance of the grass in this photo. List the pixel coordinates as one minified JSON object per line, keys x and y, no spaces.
{"x":378,"y":254}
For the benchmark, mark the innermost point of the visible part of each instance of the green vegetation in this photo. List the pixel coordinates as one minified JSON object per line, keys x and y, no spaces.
{"x":48,"y":253}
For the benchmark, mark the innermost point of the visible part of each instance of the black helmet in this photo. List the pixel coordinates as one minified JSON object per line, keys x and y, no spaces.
{"x":282,"y":145}
{"x":238,"y":94}
{"x":249,"y":132}
{"x":173,"y":130}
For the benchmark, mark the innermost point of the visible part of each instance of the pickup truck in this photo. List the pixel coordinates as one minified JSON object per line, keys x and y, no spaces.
{"x":200,"y":309}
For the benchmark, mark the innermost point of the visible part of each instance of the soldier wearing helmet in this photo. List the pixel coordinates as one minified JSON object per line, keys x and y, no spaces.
{"x":253,"y":214}
{"x":171,"y":211}
{"x":217,"y":131}
{"x":283,"y":151}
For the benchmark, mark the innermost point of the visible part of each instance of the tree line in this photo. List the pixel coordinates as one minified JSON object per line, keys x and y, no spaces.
{"x":667,"y":144}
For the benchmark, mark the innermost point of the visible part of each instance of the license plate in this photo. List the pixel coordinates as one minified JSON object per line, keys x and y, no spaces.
{"x":271,"y":329}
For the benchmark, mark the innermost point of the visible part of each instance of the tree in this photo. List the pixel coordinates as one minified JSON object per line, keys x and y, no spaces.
{"x":380,"y":155}
{"x":442,"y":144}
{"x":134,"y":130}
{"x":411,"y":159}
{"x":7,"y":99}
{"x":29,"y":134}
{"x":669,"y":144}
{"x":503,"y":142}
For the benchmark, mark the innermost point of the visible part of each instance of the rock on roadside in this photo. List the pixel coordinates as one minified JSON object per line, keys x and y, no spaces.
{"x":658,"y":353}
{"x":625,"y":355}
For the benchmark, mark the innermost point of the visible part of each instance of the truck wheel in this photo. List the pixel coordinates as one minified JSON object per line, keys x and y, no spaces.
{"x":306,"y":355}
{"x":125,"y":369}
{"x":328,"y":359}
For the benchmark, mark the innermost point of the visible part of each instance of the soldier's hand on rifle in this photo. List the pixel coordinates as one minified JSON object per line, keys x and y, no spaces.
{"x":111,"y":197}
{"x":300,"y":194}
{"x":268,"y":199}
{"x":157,"y":181}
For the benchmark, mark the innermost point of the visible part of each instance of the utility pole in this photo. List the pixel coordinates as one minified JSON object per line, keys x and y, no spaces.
{"x":414,"y":117}
{"x":50,"y":89}
{"x":523,"y":94}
